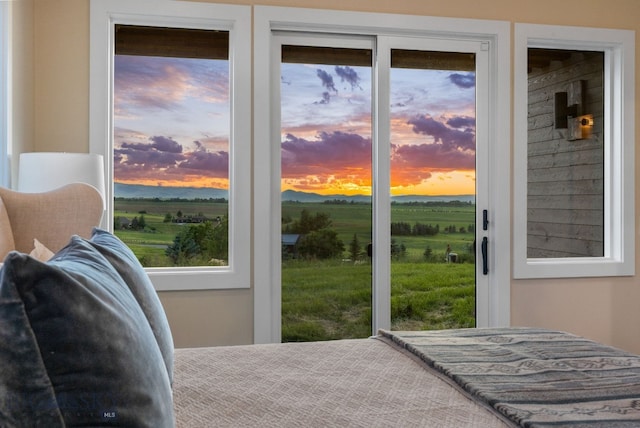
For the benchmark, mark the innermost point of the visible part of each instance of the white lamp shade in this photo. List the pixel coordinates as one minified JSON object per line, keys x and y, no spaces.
{"x":44,"y":171}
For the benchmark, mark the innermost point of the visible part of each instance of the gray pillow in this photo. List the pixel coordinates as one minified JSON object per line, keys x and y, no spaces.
{"x":133,"y":274}
{"x":75,"y":347}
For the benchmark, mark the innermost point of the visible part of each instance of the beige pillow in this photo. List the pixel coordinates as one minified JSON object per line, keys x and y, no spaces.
{"x":40,"y":252}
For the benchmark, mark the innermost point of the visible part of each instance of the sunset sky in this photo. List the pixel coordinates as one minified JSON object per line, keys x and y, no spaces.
{"x":172,"y":116}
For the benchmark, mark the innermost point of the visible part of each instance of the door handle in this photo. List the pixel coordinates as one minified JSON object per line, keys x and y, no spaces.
{"x":485,"y":255}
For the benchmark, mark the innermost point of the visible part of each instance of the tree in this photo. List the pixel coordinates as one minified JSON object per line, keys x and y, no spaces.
{"x":309,"y":223}
{"x":318,"y":240}
{"x":321,"y":244}
{"x":398,"y":251}
{"x":198,"y":244}
{"x":183,"y":249}
{"x":428,"y":253}
{"x":354,"y":248}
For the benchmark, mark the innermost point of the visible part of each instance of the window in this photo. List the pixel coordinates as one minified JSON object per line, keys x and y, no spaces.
{"x":278,"y":27}
{"x":171,"y":144}
{"x":169,"y":102}
{"x":574,"y":209}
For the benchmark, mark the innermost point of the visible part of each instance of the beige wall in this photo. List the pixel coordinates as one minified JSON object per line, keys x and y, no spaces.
{"x":602,"y":309}
{"x":22,"y":103}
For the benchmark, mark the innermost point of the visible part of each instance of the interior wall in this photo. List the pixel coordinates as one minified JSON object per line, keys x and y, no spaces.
{"x":603,"y":309}
{"x":22,"y":69}
{"x":61,"y":33}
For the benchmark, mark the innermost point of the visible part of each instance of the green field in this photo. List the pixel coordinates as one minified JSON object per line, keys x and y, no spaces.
{"x":331,"y":299}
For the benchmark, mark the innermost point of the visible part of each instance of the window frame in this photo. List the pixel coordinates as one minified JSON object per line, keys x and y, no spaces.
{"x":267,"y":19}
{"x":104,"y":15}
{"x":619,"y":141}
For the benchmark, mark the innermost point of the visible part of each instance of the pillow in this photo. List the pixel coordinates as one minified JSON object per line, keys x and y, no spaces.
{"x":40,"y":252}
{"x":133,"y":274}
{"x":75,"y":347}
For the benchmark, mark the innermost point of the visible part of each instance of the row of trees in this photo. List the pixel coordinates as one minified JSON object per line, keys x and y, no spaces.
{"x":402,"y":228}
{"x":199,"y":244}
{"x":319,"y":241}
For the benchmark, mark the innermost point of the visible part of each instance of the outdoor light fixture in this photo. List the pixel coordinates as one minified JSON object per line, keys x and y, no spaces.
{"x":568,"y":112}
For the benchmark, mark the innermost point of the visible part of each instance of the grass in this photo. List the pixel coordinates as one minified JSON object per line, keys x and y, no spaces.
{"x":324,"y":300}
{"x":332,"y":300}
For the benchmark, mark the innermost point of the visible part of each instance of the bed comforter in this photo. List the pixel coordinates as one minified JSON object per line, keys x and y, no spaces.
{"x":454,"y":378}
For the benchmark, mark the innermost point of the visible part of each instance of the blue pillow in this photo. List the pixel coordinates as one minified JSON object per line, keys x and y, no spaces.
{"x":76,"y":349}
{"x":133,"y":274}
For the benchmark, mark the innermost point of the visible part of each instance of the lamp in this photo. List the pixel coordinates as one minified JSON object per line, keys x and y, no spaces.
{"x":44,"y":171}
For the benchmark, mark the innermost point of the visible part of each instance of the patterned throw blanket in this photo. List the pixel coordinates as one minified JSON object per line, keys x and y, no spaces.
{"x":535,"y":377}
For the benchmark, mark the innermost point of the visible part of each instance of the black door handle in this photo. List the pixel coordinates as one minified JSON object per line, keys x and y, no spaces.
{"x":485,"y":255}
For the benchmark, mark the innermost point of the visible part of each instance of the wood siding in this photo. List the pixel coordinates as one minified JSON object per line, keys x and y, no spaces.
{"x":565,"y":191}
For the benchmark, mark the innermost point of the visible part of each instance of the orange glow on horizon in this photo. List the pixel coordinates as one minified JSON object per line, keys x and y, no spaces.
{"x":439,"y":183}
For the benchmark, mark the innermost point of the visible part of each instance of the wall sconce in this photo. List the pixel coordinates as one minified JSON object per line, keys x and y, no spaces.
{"x":568,"y":112}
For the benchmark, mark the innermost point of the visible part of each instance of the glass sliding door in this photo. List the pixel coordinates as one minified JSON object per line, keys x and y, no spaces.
{"x":383,"y":156}
{"x":326,"y":143}
{"x":433,"y":189}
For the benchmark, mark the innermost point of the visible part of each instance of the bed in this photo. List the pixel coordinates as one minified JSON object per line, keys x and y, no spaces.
{"x":84,"y":341}
{"x":455,"y":378}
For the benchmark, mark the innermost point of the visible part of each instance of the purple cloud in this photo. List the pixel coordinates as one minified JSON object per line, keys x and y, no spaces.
{"x":208,"y":163}
{"x":330,"y":152}
{"x":164,"y":156}
{"x":464,"y":81}
{"x":431,"y":157}
{"x":327,"y":80}
{"x":467,"y":122}
{"x":165,"y":144}
{"x":349,"y":75}
{"x":450,"y":138}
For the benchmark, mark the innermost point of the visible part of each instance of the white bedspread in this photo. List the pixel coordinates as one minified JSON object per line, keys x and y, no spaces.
{"x":346,"y":383}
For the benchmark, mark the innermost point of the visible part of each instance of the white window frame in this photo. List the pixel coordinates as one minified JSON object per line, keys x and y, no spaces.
{"x":267,"y":293}
{"x":104,"y":15}
{"x":619,"y":141}
{"x":5,"y":93}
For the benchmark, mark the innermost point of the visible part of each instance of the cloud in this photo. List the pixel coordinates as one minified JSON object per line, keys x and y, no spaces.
{"x":349,"y":75}
{"x":164,"y":83}
{"x":467,"y":122}
{"x":337,"y":153}
{"x":414,"y":164}
{"x":162,"y":152}
{"x":450,"y":138}
{"x":327,"y":80}
{"x":163,"y":158}
{"x":432,"y":157}
{"x":211,"y":164}
{"x":452,"y":147}
{"x":143,"y":83}
{"x":464,"y":81}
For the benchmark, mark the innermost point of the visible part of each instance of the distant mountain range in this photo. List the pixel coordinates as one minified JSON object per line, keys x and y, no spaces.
{"x":296,"y":196}
{"x":137,"y":191}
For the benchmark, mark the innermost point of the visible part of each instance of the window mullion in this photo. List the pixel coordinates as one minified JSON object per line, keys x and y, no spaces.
{"x":381,"y":292}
